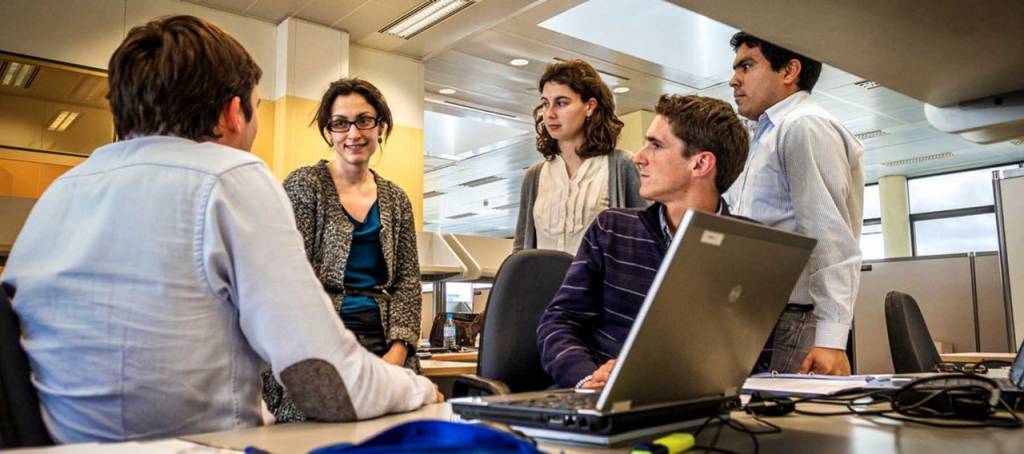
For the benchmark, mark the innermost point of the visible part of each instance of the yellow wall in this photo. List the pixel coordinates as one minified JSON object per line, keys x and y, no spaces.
{"x":27,"y":179}
{"x":635,"y":129}
{"x":401,"y":161}
{"x":263,"y":145}
{"x":296,"y":142}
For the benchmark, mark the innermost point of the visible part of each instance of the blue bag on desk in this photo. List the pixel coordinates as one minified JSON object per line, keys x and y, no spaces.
{"x":436,"y":436}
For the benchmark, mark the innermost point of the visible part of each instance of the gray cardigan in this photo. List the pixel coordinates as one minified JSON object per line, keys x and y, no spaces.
{"x":623,"y":192}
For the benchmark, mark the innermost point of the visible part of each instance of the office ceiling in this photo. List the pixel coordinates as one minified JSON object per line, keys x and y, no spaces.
{"x":474,"y":188}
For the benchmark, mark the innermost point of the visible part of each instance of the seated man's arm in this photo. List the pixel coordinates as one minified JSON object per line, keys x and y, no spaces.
{"x":572,"y":315}
{"x":253,"y":256}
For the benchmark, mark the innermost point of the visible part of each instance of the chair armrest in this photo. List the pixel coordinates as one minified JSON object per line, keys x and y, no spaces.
{"x":473,"y":385}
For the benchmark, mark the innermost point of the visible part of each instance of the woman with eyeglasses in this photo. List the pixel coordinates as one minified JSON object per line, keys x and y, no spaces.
{"x":358,"y":231}
{"x":582,"y":172}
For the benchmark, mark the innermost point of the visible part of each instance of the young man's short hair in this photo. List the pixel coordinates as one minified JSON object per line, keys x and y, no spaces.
{"x":174,"y":76}
{"x":779,"y":57}
{"x":708,"y":124}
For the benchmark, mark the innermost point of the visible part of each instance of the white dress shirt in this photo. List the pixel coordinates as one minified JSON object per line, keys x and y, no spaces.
{"x":804,"y":173}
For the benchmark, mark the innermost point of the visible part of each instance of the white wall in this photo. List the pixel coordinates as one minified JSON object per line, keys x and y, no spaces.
{"x":399,"y":78}
{"x":86,"y":32}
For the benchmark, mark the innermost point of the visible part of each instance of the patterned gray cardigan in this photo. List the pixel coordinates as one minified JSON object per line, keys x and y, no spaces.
{"x":327,"y":234}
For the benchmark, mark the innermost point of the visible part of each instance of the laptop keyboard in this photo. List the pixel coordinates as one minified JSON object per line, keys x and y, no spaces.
{"x":561,"y":401}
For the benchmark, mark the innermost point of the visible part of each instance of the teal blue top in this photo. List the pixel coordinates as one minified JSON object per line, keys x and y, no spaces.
{"x":365,"y":268}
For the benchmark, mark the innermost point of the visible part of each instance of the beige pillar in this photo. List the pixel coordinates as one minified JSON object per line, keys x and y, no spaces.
{"x":309,"y":58}
{"x":400,"y":79}
{"x":635,"y":129}
{"x":895,"y":210}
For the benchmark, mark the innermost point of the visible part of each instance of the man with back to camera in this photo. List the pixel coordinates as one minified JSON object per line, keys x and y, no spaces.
{"x":694,"y":150}
{"x":154,"y":280}
{"x":804,"y":174}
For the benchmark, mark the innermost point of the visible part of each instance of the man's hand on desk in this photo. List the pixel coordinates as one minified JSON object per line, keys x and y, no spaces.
{"x":600,"y":376}
{"x":438,"y":397}
{"x":826,"y":361}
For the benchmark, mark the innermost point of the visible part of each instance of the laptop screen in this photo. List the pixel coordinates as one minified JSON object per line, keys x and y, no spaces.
{"x":1017,"y":370}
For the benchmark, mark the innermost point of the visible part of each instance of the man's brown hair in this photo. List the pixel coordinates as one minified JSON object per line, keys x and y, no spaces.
{"x":174,"y":75}
{"x":601,"y":130}
{"x":708,"y":124}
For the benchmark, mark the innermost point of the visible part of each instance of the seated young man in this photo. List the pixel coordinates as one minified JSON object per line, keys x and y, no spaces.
{"x":695,"y":148}
{"x":156,"y":280}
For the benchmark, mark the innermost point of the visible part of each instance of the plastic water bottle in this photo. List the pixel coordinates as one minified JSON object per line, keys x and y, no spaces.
{"x":449,"y":333}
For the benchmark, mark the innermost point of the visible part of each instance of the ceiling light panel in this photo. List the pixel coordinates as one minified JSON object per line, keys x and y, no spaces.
{"x":17,"y":74}
{"x":424,"y":16}
{"x":62,"y":121}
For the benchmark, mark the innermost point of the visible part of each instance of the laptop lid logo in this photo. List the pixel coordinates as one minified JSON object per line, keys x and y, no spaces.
{"x":735,"y":293}
{"x":711,"y":237}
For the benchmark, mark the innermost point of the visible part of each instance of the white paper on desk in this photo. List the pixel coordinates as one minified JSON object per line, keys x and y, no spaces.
{"x":169,"y":446}
{"x":810,"y":385}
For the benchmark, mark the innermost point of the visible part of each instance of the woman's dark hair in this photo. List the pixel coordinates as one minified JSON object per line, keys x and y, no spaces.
{"x":778,"y":57}
{"x":601,"y":131}
{"x":174,"y":76}
{"x":348,"y":86}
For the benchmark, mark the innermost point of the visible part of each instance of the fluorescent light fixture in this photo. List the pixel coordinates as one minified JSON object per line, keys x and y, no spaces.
{"x":867,"y":84}
{"x":519,"y":62}
{"x":17,"y":74}
{"x":447,"y":91}
{"x":424,"y":16}
{"x":621,"y":89}
{"x":62,"y":121}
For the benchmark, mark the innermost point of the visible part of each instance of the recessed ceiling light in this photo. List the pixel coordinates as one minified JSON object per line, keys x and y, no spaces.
{"x":62,"y":121}
{"x":621,"y":89}
{"x":15,"y":74}
{"x":519,"y":62}
{"x":447,"y":91}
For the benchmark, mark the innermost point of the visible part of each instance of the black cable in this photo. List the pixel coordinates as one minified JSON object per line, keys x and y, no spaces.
{"x":737,"y":426}
{"x":975,"y":396}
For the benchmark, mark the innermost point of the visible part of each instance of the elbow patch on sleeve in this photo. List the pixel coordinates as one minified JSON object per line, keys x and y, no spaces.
{"x":318,"y":390}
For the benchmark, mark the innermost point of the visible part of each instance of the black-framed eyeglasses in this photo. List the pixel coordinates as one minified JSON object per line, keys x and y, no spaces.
{"x":343,"y":124}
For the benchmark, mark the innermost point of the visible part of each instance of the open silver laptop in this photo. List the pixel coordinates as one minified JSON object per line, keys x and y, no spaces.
{"x":712,"y":305}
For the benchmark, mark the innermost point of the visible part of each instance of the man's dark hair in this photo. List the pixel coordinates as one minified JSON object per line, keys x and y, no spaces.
{"x":779,"y":57}
{"x":601,"y":130}
{"x":708,"y":124}
{"x":349,"y":86}
{"x":174,"y":76}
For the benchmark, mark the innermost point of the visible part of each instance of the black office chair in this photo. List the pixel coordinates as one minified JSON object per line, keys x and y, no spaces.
{"x":508,"y":360}
{"x":21,"y":423}
{"x":909,"y":341}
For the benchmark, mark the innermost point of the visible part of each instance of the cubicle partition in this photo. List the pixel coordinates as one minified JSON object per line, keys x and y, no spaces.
{"x":960,"y":297}
{"x":13,"y":213}
{"x":1008,"y":188}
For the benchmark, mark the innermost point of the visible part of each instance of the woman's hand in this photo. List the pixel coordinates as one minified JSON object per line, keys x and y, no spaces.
{"x":396,"y":354}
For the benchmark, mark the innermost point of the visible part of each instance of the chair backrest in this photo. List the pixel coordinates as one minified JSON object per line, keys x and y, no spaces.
{"x":909,"y":341}
{"x":523,"y":287}
{"x":21,"y":423}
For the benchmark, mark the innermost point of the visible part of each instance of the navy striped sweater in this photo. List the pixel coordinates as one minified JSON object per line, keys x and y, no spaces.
{"x":587,"y":321}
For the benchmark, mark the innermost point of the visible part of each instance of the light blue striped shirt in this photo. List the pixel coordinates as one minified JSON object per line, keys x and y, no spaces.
{"x":155,"y":280}
{"x":804,"y":173}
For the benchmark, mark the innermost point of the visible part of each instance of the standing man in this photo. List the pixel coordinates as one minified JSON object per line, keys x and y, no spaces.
{"x":804,"y":173}
{"x":157,"y":279}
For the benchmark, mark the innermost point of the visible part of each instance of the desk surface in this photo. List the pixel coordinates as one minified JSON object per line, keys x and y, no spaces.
{"x":435,"y":368}
{"x":460,"y":356}
{"x":836,"y":434}
{"x":977,"y":357}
